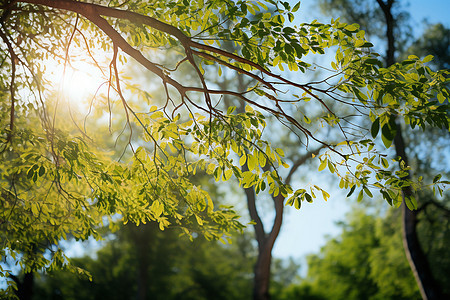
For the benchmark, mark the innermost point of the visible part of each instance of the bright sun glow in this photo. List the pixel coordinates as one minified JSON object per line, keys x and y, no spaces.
{"x":80,"y":82}
{"x":79,"y":78}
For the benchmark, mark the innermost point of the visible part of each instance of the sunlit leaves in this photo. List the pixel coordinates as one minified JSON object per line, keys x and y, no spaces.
{"x":323,"y":164}
{"x":301,"y":195}
{"x":58,"y":182}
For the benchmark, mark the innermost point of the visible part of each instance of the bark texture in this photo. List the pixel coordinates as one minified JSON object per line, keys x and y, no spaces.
{"x":266,"y":241}
{"x":428,"y":286}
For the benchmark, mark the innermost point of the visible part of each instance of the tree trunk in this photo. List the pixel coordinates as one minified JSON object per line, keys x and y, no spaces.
{"x":429,"y":288}
{"x":265,"y":245}
{"x":262,"y":274}
{"x":27,"y":286}
{"x":140,"y":237}
{"x":262,"y":268}
{"x":386,"y":7}
{"x":265,"y":241}
{"x":24,"y":288}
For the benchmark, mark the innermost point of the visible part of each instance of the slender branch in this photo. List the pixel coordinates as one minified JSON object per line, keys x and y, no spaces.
{"x":300,"y":161}
{"x":12,"y":83}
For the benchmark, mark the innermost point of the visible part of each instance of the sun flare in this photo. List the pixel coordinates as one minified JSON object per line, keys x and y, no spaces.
{"x":79,"y":82}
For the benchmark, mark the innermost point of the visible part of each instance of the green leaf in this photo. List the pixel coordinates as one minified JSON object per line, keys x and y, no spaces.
{"x":290,"y":17}
{"x":243,"y":159}
{"x":41,"y":171}
{"x":262,"y":159}
{"x":373,"y":61}
{"x":323,"y":164}
{"x":231,"y":109}
{"x":360,"y":196}
{"x":297,"y":203}
{"x":387,"y":142}
{"x":296,"y":7}
{"x":249,"y":109}
{"x":330,"y":167}
{"x":199,"y":220}
{"x":367,"y":191}
{"x":308,"y":198}
{"x":359,"y":43}
{"x":34,"y":209}
{"x":384,"y":162}
{"x":428,"y":58}
{"x":280,"y":152}
{"x":388,"y":132}
{"x":351,"y":190}
{"x":352,"y":27}
{"x":30,"y":172}
{"x":251,"y":162}
{"x":375,"y":127}
{"x":210,"y":169}
{"x":411,"y":202}
{"x":227,"y":174}
{"x":387,"y":197}
{"x":436,"y":178}
{"x":325,"y":195}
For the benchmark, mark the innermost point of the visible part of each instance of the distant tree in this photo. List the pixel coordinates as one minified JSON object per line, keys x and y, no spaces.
{"x":365,"y":262}
{"x":391,"y":19}
{"x":435,"y":41}
{"x":144,"y":263}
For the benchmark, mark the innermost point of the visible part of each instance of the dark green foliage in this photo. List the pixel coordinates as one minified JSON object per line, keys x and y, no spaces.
{"x":434,"y":235}
{"x":145,"y":263}
{"x":435,"y":41}
{"x":365,"y":262}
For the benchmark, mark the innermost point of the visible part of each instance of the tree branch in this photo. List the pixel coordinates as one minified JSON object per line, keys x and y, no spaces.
{"x":93,"y":12}
{"x":12,"y":109}
{"x":301,"y":161}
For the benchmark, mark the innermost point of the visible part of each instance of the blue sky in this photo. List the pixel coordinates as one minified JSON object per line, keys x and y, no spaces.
{"x":305,"y":231}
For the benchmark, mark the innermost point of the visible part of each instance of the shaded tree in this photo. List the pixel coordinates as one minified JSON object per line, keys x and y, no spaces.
{"x":390,"y":17}
{"x":364,"y":262}
{"x":435,"y":41}
{"x":144,"y":263}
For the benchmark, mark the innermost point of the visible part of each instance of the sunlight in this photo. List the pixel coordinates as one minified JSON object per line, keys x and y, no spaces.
{"x":79,"y":82}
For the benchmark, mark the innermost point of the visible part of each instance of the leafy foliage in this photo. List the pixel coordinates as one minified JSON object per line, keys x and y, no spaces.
{"x":365,"y":262}
{"x":57,"y":180}
{"x":147,"y":263}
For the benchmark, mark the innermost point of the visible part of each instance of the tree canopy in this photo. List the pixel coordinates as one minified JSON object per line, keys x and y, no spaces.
{"x":365,"y":262}
{"x":60,"y":177}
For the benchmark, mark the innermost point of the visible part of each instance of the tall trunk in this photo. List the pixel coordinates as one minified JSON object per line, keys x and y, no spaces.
{"x":261,"y":271}
{"x":24,"y":288}
{"x":265,"y":246}
{"x":429,"y":289}
{"x":140,"y":237}
{"x":417,"y":259}
{"x":265,"y":241}
{"x":262,"y":274}
{"x":142,"y":281}
{"x":27,"y":286}
{"x":261,"y":280}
